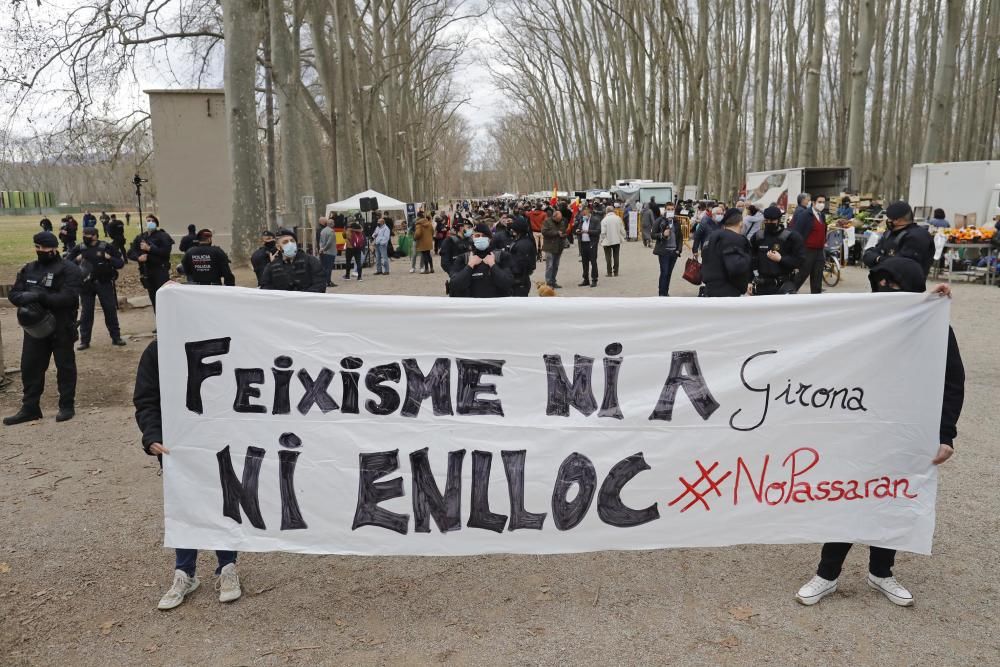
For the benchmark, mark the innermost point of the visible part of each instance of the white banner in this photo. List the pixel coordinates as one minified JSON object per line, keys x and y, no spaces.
{"x":417,"y":425}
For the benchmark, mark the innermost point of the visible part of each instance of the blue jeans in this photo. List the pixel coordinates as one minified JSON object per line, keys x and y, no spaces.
{"x":551,"y":268}
{"x":187,"y":559}
{"x":381,"y":258}
{"x":328,"y":262}
{"x":667,"y":263}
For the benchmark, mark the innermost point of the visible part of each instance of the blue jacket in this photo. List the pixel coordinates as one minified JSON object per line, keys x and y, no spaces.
{"x":802,"y":221}
{"x":706,"y":227}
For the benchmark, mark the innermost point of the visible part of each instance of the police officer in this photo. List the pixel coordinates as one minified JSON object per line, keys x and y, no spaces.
{"x":293,"y":270}
{"x":777,"y":253}
{"x":726,"y":258}
{"x":151,"y":250}
{"x":486,"y":273}
{"x":116,"y":230}
{"x":455,"y":248}
{"x":903,"y":238}
{"x":47,"y":294}
{"x":523,"y":256}
{"x":206,"y":264}
{"x":99,"y":262}
{"x":265,"y":254}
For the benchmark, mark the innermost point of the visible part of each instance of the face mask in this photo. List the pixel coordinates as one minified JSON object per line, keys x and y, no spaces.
{"x":717,"y":217}
{"x":482,"y":243}
{"x":771,"y":227}
{"x":46,"y":257}
{"x":89,"y":240}
{"x":289,"y":249}
{"x":468,"y":233}
{"x":150,"y":225}
{"x":269,"y":245}
{"x":820,"y":206}
{"x":670,"y":213}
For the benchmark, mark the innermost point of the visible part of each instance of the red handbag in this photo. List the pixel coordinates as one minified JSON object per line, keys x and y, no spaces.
{"x":692,"y":271}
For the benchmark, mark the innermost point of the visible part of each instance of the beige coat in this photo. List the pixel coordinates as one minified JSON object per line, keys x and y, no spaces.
{"x":612,"y":230}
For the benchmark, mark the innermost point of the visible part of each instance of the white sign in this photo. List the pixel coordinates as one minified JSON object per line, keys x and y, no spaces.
{"x":633,"y":224}
{"x":417,"y":425}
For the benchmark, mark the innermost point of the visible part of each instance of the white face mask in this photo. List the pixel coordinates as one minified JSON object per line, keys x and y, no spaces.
{"x":717,"y":217}
{"x":670,"y":213}
{"x":820,"y":206}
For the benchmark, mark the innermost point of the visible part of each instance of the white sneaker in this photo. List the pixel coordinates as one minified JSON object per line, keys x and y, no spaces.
{"x":183,"y":586}
{"x":413,"y":270}
{"x":228,"y":584}
{"x":892,"y":589}
{"x":815,"y":590}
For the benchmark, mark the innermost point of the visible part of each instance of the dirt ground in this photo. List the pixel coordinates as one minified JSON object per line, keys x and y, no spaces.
{"x":82,"y":566}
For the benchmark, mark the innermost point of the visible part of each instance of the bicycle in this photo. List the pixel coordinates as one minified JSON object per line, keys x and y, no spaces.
{"x":831,"y":267}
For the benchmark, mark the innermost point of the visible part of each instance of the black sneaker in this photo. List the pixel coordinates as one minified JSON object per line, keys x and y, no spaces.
{"x":23,"y":415}
{"x":593,"y":284}
{"x":83,"y":346}
{"x":557,"y":286}
{"x":65,"y":414}
{"x":584,"y":284}
{"x":119,"y":342}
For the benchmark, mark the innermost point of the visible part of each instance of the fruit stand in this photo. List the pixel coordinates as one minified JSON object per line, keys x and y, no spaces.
{"x":961,"y":244}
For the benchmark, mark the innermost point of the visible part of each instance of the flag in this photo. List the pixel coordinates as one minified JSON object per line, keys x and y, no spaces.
{"x":555,"y":194}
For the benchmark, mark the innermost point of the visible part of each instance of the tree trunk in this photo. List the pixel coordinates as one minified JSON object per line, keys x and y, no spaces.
{"x":240,"y":23}
{"x":859,"y":88}
{"x":808,"y":148}
{"x":944,"y":80}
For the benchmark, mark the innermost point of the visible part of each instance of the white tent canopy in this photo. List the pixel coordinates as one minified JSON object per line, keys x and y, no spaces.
{"x":385,"y":203}
{"x":507,"y":195}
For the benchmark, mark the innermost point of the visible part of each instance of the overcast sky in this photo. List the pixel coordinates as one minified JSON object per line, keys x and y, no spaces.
{"x":171,"y":68}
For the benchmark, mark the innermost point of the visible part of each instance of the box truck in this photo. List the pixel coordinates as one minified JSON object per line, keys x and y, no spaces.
{"x":781,"y":187}
{"x":969,"y":192}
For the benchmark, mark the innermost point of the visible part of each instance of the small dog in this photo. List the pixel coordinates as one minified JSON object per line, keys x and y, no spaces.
{"x":544,"y":290}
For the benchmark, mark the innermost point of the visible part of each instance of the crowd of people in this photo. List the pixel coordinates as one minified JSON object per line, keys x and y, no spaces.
{"x":485,"y":249}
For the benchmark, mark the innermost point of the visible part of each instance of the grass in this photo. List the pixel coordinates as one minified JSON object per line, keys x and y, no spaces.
{"x":16,"y":247}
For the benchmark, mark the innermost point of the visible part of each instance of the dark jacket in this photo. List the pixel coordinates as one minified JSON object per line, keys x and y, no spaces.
{"x":116,"y":229}
{"x":501,"y":238}
{"x":788,"y":244}
{"x":95,"y":267}
{"x":158,"y":255}
{"x":593,"y":227}
{"x":55,"y":285}
{"x":706,"y":227}
{"x":523,"y":258}
{"x":954,"y":391}
{"x":725,"y":267}
{"x":453,"y":250}
{"x":146,"y":398}
{"x":674,"y":224}
{"x":912,"y":241}
{"x":802,"y":221}
{"x":303,"y":274}
{"x":483,"y":281}
{"x":552,"y":236}
{"x":260,"y":258}
{"x":207,"y":265}
{"x":188,"y":241}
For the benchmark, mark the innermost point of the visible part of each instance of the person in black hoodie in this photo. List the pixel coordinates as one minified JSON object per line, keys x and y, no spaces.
{"x":146,"y":399}
{"x":896,"y":274}
{"x":190,"y":239}
{"x":487,"y":273}
{"x":265,"y":254}
{"x":455,"y":247}
{"x":523,"y":256}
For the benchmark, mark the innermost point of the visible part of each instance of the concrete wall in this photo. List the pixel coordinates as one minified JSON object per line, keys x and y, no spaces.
{"x":192,"y":170}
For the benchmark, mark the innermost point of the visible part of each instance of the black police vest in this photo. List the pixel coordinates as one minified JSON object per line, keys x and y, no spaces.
{"x":762,"y":244}
{"x":290,"y":276}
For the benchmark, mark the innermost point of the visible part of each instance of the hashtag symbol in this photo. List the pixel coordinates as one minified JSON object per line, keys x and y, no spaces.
{"x":692,"y":489}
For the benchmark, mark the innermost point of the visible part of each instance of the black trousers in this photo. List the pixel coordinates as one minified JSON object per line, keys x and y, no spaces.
{"x":105,"y":293}
{"x":611,"y":253}
{"x":721,"y":289}
{"x":588,"y":258}
{"x":811,"y":270}
{"x":521,"y":286}
{"x":155,"y":279}
{"x":880,"y":561}
{"x":35,"y":355}
{"x":119,"y":242}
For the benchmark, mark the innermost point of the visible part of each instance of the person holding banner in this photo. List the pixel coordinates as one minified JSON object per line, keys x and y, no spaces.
{"x":895,"y":274}
{"x":146,"y":399}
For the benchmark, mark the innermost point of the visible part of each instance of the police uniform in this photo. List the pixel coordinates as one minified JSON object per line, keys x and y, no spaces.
{"x":263,"y":255}
{"x":912,"y":241}
{"x":522,"y":258}
{"x":155,"y":271}
{"x":726,"y":263}
{"x":99,"y":264}
{"x":47,"y":294}
{"x":775,"y":277}
{"x":206,"y":264}
{"x":116,"y":230}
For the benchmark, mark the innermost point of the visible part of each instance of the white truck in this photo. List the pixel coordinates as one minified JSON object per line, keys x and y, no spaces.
{"x":968,"y":192}
{"x":782,"y":187}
